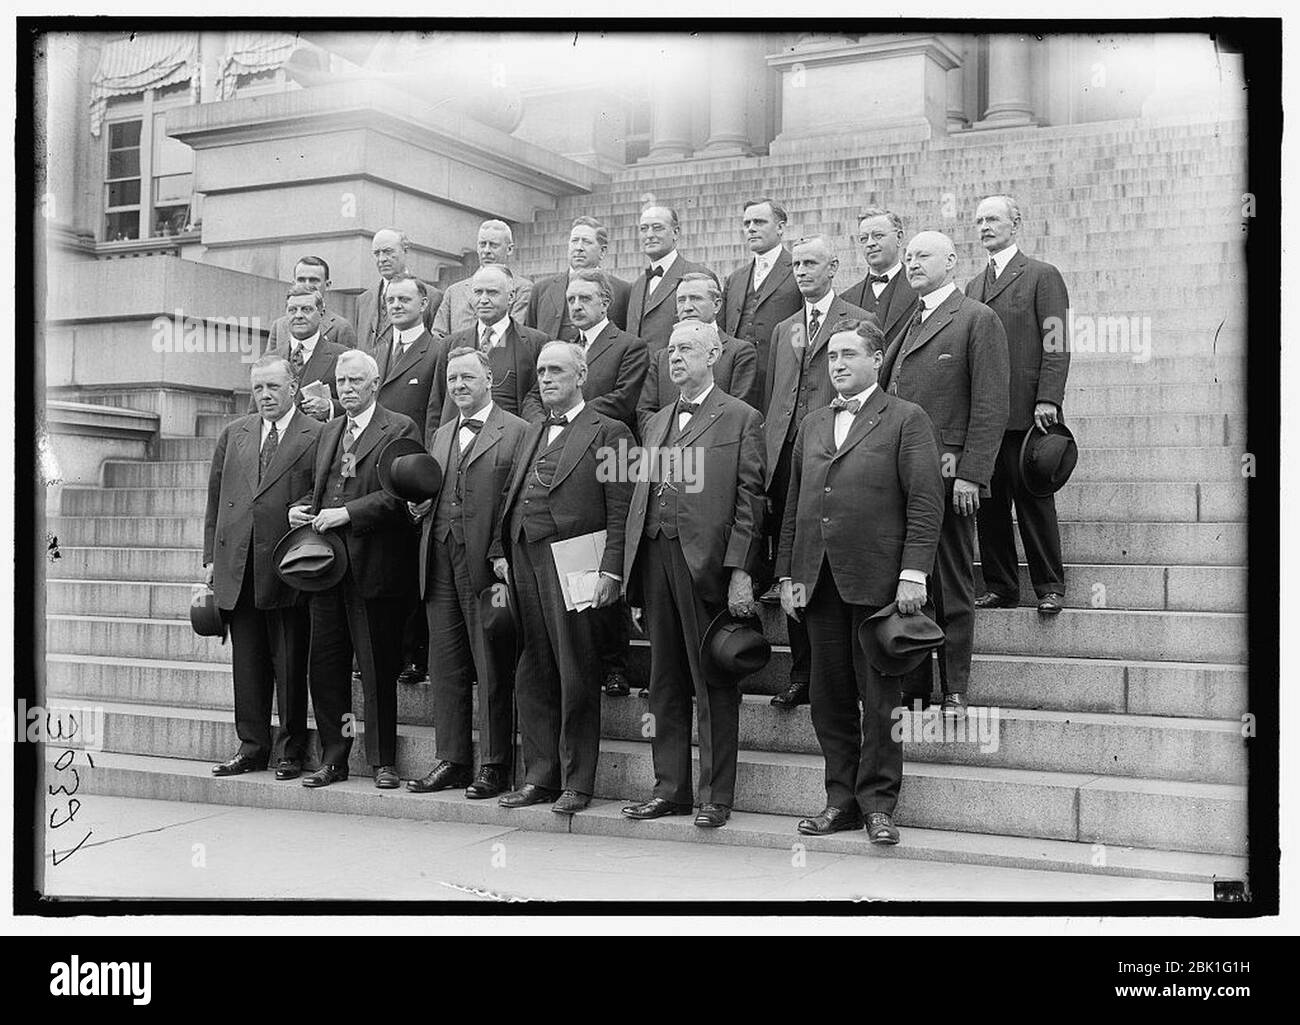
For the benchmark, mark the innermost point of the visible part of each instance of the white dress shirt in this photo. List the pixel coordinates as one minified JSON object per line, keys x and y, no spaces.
{"x":308,"y":346}
{"x":553,"y":431}
{"x":362,"y":420}
{"x":465,"y":436}
{"x":879,"y":286}
{"x":1003,"y":257}
{"x":592,"y":333}
{"x":684,"y":418}
{"x":497,"y":332}
{"x":763,"y":264}
{"x":929,"y":303}
{"x":405,"y":336}
{"x":823,"y":308}
{"x":666,"y":262}
{"x":281,"y":426}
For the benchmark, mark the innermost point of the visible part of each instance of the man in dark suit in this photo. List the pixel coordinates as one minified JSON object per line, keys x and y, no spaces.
{"x":406,"y":375}
{"x":561,"y":489}
{"x":651,"y":311}
{"x":310,"y":357}
{"x":868,"y":461}
{"x":458,"y":311}
{"x":616,"y":370}
{"x":695,"y":522}
{"x":952,"y":362}
{"x":762,"y":293}
{"x":364,"y":612}
{"x":390,"y":248}
{"x":511,"y":349}
{"x":1030,"y":299}
{"x":313,"y":272}
{"x":459,"y":544}
{"x":262,"y":463}
{"x":797,"y":384}
{"x":735,"y":371}
{"x":548,"y":306}
{"x":884,"y":292}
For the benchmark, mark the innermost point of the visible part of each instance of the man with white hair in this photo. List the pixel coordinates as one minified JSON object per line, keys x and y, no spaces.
{"x":391,"y":249}
{"x":458,"y":311}
{"x":364,"y":612}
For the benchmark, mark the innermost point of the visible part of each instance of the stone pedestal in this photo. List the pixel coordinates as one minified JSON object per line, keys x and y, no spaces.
{"x":1010,"y":104}
{"x":588,"y":124}
{"x":878,"y":82}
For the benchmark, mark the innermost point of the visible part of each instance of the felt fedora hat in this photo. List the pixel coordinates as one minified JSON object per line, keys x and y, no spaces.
{"x":407,"y":471}
{"x":896,"y":644}
{"x":734,"y":647}
{"x":496,"y":609}
{"x":1047,"y":459}
{"x":205,"y":617}
{"x":309,"y":561}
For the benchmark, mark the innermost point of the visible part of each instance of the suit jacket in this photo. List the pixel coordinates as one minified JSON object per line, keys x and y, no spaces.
{"x":516,"y":393}
{"x":367,"y":311}
{"x":616,"y":369}
{"x":484,"y":477}
{"x":333,"y":328}
{"x":1030,"y":299}
{"x":456,"y":311}
{"x":548,"y":308}
{"x":892,"y":309}
{"x":720,"y":523}
{"x":782,"y":401}
{"x":886,"y":476}
{"x":956,"y":370}
{"x":735,"y":373}
{"x":404,"y":386}
{"x":245,"y":519}
{"x":380,"y":539}
{"x":580,"y":503}
{"x":778,"y":298}
{"x":655,"y":323}
{"x":319,"y":368}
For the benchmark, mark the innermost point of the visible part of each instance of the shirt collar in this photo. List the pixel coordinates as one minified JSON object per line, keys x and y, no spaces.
{"x":281,"y":425}
{"x":666,"y":262}
{"x":1003,"y":257}
{"x":362,"y":420}
{"x":933,"y":299}
{"x":766,"y":260}
{"x":409,"y":334}
{"x":892,"y":270}
{"x":861,"y":397}
{"x":498,"y":329}
{"x":572,"y":414}
{"x":822,"y":305}
{"x":594,"y":331}
{"x":308,"y":344}
{"x":481,"y":416}
{"x":702,"y":395}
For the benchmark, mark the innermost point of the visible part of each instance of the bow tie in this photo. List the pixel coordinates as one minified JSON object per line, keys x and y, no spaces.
{"x":852,"y":405}
{"x":687,"y":407}
{"x":472,"y":425}
{"x":873,"y":278}
{"x":557,"y":420}
{"x":654,"y":272}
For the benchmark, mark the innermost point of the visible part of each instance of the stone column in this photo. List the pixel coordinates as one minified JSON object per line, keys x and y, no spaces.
{"x":956,"y":87}
{"x":1010,"y":105}
{"x":729,"y":80}
{"x":670,"y":111}
{"x":62,"y":121}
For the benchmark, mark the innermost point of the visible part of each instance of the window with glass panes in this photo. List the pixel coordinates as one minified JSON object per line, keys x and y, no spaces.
{"x":149,"y":176}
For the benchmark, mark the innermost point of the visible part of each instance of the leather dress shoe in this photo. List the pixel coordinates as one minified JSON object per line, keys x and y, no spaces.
{"x":954,"y":704}
{"x":529,"y":793}
{"x":288,"y":768}
{"x":489,"y":782}
{"x":443,"y":776}
{"x":991,"y":600}
{"x":772,"y":596}
{"x":794,"y":695}
{"x":831,"y":820}
{"x":656,"y":808}
{"x":570,"y":801}
{"x":881,"y":828}
{"x":615,"y":684}
{"x":386,"y":777}
{"x":712,"y":816}
{"x":239,"y":764}
{"x":1051,"y":604}
{"x":326,"y":775}
{"x":413,"y":674}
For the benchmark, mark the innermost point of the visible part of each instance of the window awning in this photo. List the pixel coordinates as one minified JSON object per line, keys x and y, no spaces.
{"x":148,"y":60}
{"x":248,"y":53}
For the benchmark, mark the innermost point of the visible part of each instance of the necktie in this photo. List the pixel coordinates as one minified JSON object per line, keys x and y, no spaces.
{"x":915,"y":325}
{"x":760,"y":274}
{"x":350,"y":435}
{"x":873,"y":279}
{"x":471,"y":425}
{"x":814,"y":323}
{"x":557,"y":420}
{"x":381,"y":314}
{"x":852,"y":405}
{"x":652,"y":273}
{"x":296,"y":361}
{"x":485,"y":338}
{"x":269,"y":446}
{"x":688,"y":408}
{"x":990,"y":275}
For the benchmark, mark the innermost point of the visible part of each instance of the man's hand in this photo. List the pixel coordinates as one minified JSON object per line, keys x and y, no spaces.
{"x":419,"y":512}
{"x":315,"y":405}
{"x":299,"y":514}
{"x":965,"y":497}
{"x":740,"y":594}
{"x":1046,"y":414}
{"x":329,"y":519}
{"x":207,"y":573}
{"x":638,"y":618}
{"x":909,"y":597}
{"x":502,"y":570}
{"x":607,"y":591}
{"x":792,"y":599}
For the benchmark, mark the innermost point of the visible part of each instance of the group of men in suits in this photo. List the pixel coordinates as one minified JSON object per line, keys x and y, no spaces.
{"x":847,"y":441}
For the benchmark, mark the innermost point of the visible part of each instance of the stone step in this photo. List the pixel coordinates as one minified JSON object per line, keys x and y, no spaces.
{"x":125,"y":473}
{"x":1081,"y":807}
{"x":1160,"y":463}
{"x":163,"y":564}
{"x":1125,"y":365}
{"x":134,"y":501}
{"x":1168,"y":502}
{"x":177,"y":779}
{"x":129,"y":531}
{"x":210,"y":425}
{"x":186,"y":449}
{"x":1198,"y":430}
{"x":1171,"y":588}
{"x":132,"y":598}
{"x":1135,"y":400}
{"x":1155,"y":544}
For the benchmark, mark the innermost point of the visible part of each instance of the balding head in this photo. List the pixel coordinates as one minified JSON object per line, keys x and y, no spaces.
{"x":692,"y":349}
{"x":814,"y":263}
{"x":930,"y":261}
{"x":389,"y":248}
{"x":491,"y":290}
{"x":561,"y":372}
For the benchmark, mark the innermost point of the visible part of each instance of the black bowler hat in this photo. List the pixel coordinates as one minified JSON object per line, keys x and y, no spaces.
{"x":1047,"y":460}
{"x":205,"y":617}
{"x":496,"y":609}
{"x":407,"y":471}
{"x":309,"y":561}
{"x":734,"y":646}
{"x":896,"y":644}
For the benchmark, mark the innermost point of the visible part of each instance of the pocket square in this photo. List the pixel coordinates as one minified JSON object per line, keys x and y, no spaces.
{"x":413,"y":380}
{"x":945,"y":355}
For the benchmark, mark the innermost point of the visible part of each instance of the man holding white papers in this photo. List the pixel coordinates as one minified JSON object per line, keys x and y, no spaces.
{"x":694,"y":534}
{"x":566,"y":483}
